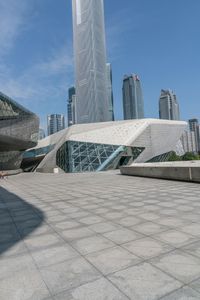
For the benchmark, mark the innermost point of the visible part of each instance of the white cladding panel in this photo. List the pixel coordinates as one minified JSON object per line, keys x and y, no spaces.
{"x":156,"y":136}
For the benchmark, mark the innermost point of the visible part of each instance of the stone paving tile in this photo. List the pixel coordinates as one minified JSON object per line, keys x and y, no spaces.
{"x":184,"y":293}
{"x":68,"y":275}
{"x":57,"y":218}
{"x":23,"y":285}
{"x":79,"y":232}
{"x":7,"y":236}
{"x":42,"y":241}
{"x":32,"y":224}
{"x":13,"y":264}
{"x":149,"y":228}
{"x":10,"y":249}
{"x":60,"y":226}
{"x":114,"y":215}
{"x":147,"y":247}
{"x":193,"y":248}
{"x":54,"y":255}
{"x":100,"y":289}
{"x":171,"y":222}
{"x":144,"y":282}
{"x":179,"y":264}
{"x":175,"y":238}
{"x":195,"y":285}
{"x":128,"y":221}
{"x":91,"y":220}
{"x":149,"y":216}
{"x":123,"y":235}
{"x":44,"y":229}
{"x":192,"y":229}
{"x":113,"y":259}
{"x":92,"y":244}
{"x":103,"y":227}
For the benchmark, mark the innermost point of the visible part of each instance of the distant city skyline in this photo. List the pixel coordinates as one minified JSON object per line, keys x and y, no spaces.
{"x":36,"y":61}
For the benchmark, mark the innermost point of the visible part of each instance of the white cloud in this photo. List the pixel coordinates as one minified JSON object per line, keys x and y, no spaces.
{"x":48,"y":76}
{"x":59,"y":62}
{"x":41,"y":80}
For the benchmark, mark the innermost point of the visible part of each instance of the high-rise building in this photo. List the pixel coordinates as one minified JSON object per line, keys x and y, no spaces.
{"x":55,"y":123}
{"x":110,"y":90}
{"x":168,"y":106}
{"x":188,"y":141}
{"x":74,"y":109}
{"x":194,"y":127}
{"x":70,"y":113}
{"x":90,"y":61}
{"x":133,"y":103}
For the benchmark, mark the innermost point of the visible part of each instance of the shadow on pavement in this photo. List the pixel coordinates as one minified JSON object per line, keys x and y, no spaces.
{"x":17,"y":219}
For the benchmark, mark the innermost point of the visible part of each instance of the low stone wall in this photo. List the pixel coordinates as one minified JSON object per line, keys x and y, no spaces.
{"x":169,"y":171}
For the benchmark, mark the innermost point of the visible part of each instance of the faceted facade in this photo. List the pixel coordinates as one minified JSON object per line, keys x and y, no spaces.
{"x":133,"y":104}
{"x":18,"y":131}
{"x":90,"y":61}
{"x":107,"y":145}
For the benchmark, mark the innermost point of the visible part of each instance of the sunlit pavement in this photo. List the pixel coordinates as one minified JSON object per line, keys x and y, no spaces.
{"x":98,"y":236}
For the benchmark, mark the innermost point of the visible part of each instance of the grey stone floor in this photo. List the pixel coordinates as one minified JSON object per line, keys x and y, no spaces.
{"x":98,"y":236}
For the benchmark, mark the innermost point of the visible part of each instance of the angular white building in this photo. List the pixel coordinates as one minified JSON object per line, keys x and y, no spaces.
{"x":108,"y":145}
{"x":90,"y":61}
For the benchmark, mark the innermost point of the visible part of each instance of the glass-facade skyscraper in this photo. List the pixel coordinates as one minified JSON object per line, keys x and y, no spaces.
{"x":55,"y":123}
{"x":194,"y":127}
{"x":90,"y":61}
{"x":70,"y":106}
{"x":110,"y":90}
{"x":133,"y":104}
{"x":168,"y":106}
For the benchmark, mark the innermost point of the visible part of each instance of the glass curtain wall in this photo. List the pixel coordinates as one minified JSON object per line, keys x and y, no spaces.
{"x":74,"y":156}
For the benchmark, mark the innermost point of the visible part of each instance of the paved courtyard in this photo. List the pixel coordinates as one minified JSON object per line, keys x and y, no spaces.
{"x":98,"y":236}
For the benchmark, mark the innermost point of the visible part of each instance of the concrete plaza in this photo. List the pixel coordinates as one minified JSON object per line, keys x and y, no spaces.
{"x":98,"y":236}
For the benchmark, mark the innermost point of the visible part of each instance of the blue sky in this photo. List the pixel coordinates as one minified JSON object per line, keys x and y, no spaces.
{"x":157,"y":39}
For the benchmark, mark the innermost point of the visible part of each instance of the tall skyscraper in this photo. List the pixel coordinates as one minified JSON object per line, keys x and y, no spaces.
{"x":55,"y":123}
{"x":168,"y":106}
{"x":110,"y":90}
{"x":70,"y":105}
{"x":90,"y":61}
{"x":194,"y":127}
{"x":133,"y":103}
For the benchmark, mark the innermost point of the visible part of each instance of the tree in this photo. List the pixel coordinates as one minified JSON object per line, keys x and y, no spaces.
{"x":174,"y":157}
{"x":190,"y":156}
